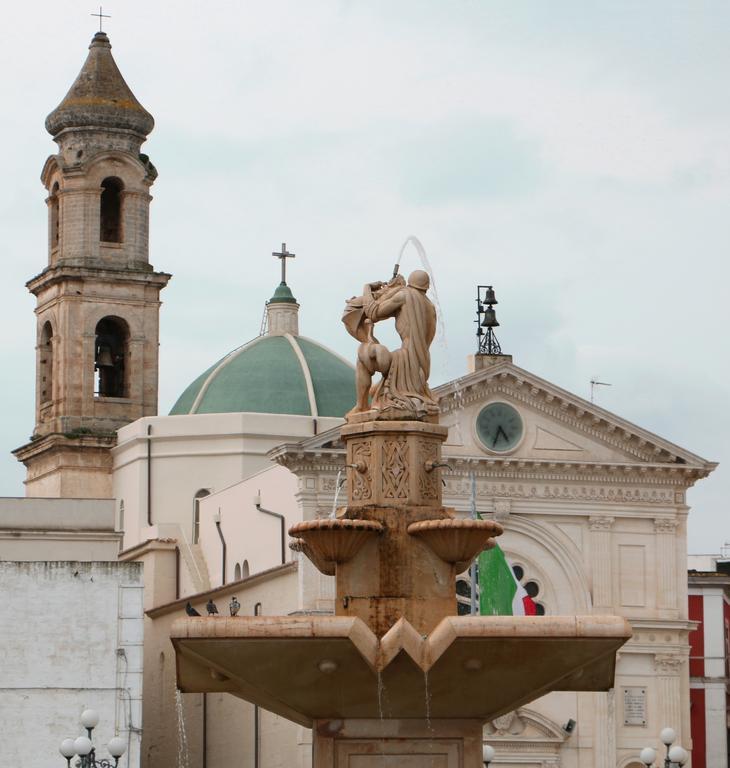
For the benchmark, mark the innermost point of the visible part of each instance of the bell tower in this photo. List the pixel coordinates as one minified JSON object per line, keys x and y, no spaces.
{"x":98,"y":298}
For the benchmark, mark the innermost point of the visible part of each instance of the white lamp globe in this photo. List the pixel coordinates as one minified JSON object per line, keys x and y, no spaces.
{"x":82,"y":746}
{"x":647,"y":755}
{"x":67,"y":748}
{"x":488,"y":753}
{"x":667,"y":735}
{"x":116,"y":746}
{"x":89,"y":718}
{"x":678,"y":754}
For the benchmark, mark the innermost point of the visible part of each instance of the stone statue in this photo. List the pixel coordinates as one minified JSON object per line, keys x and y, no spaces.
{"x":402,"y":392}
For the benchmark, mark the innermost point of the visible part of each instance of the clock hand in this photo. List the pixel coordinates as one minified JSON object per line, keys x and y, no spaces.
{"x":496,"y":436}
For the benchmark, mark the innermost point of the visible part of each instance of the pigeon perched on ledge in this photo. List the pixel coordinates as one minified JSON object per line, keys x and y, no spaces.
{"x":210,"y":606}
{"x":234,"y":606}
{"x":190,"y":610}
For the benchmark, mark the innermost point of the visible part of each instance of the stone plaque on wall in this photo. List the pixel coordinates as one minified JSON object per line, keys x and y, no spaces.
{"x":634,"y":706}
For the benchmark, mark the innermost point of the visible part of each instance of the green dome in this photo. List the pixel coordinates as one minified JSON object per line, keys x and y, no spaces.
{"x":273,"y":374}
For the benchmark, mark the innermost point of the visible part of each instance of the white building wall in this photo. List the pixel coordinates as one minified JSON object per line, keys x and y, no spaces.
{"x":189,"y":453}
{"x":70,"y":638}
{"x":253,"y":538}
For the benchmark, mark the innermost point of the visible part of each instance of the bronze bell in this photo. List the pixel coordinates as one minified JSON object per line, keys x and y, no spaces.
{"x":490,"y":297}
{"x":490,"y":318}
{"x":104,"y":357}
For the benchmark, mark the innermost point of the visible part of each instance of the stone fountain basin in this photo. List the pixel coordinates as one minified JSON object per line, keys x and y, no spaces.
{"x":305,"y":668}
{"x":333,"y":540}
{"x":456,"y":541}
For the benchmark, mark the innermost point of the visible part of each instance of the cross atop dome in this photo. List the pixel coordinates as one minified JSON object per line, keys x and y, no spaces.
{"x":283,"y":255}
{"x":282,"y":309}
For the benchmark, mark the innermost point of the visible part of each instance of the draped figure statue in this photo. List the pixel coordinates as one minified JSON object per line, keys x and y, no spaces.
{"x":403,"y":390}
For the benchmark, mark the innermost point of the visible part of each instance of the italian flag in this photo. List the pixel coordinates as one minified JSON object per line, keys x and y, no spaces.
{"x":500,"y":594}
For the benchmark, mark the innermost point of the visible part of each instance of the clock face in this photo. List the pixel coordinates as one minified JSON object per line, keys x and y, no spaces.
{"x":499,"y":427}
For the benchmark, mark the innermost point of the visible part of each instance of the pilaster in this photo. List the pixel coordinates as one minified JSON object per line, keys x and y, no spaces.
{"x":601,"y":559}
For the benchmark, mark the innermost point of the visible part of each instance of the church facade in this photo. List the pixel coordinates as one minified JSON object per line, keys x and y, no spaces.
{"x":594,"y":507}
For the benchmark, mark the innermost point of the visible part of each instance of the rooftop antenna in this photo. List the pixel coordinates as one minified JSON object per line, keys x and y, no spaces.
{"x":101,"y":16}
{"x":595,"y":383}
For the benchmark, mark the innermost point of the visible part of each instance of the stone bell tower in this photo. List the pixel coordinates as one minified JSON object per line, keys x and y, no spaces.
{"x":98,"y":298}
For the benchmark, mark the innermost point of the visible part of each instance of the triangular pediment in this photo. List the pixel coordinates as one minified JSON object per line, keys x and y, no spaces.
{"x":557,"y":426}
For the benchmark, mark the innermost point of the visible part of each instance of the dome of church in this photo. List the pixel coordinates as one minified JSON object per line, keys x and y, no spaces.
{"x":99,"y":97}
{"x":274,"y":374}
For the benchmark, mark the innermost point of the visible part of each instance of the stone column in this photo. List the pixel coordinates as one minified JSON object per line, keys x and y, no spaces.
{"x":665,"y":529}
{"x":600,"y":548}
{"x":604,"y":743}
{"x":314,"y":497}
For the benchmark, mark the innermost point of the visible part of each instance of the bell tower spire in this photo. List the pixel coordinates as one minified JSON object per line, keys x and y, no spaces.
{"x":98,"y":298}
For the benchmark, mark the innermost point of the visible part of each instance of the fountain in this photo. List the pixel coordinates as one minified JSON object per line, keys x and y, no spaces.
{"x":395,"y":677}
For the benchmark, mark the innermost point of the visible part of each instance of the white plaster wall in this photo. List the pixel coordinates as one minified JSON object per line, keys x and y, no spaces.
{"x":58,"y":529}
{"x":250,"y":535}
{"x":70,"y":638}
{"x":192,"y":452}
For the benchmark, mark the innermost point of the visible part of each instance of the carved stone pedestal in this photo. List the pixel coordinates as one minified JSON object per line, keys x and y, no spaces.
{"x":393,"y":463}
{"x":397,"y":744}
{"x":393,"y":479}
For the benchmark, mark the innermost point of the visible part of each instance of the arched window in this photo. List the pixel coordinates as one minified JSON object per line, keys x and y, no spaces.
{"x":54,"y":221}
{"x":463,"y":591}
{"x":237,"y":572}
{"x":46,"y":363}
{"x":110,"y":218}
{"x":201,"y":494}
{"x":121,"y":516}
{"x":244,"y":569}
{"x":110,"y":356}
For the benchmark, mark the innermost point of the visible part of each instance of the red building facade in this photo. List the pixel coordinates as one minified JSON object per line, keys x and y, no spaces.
{"x":709,"y":606}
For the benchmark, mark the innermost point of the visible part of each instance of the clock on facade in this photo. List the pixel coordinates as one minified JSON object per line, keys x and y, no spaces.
{"x":499,"y":427}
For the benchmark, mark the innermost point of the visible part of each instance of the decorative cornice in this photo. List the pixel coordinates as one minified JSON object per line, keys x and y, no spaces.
{"x":299,"y":460}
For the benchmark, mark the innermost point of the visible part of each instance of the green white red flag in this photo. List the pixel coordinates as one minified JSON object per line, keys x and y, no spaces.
{"x":500,"y":594}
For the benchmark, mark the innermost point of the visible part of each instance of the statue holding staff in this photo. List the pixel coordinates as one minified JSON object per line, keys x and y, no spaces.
{"x":403,"y":390}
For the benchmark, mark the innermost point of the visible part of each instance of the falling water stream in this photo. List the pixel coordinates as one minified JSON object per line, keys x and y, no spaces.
{"x":182,"y":737}
{"x":428,"y":701}
{"x":338,"y":485}
{"x":381,"y":697}
{"x":440,"y":325}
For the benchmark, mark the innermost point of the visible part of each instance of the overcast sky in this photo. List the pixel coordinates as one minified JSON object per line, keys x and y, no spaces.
{"x":576,"y":155}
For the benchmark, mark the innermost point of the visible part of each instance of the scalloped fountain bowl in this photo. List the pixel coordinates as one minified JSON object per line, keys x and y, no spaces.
{"x":456,"y":541}
{"x":331,"y":541}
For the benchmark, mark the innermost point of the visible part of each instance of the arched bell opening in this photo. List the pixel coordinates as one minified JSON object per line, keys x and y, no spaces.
{"x":46,"y":363}
{"x":110,"y":212}
{"x":110,"y":357}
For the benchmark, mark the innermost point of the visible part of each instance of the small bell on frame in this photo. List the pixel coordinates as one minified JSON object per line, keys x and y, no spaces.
{"x":490,"y":318}
{"x":104,"y":357}
{"x":490,"y":297}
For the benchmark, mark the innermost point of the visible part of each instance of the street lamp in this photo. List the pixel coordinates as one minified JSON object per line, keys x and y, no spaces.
{"x":676,"y":755}
{"x":487,"y":754}
{"x":83,"y":747}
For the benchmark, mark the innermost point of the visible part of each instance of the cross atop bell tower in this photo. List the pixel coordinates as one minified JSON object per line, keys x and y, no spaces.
{"x":98,"y":297}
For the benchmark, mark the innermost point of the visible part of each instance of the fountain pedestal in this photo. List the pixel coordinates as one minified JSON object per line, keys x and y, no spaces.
{"x":395,"y":677}
{"x":397,"y":743}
